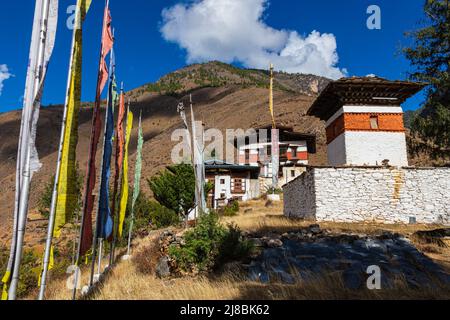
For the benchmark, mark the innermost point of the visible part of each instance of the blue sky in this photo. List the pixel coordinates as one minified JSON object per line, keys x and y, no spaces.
{"x":144,"y":53}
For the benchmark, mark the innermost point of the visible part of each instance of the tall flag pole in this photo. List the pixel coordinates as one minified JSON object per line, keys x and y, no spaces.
{"x":182,"y":112}
{"x":41,"y":48}
{"x":275,"y":137}
{"x":86,"y":239}
{"x":120,"y":142}
{"x":64,"y":195}
{"x":125,"y":187}
{"x":137,"y":181}
{"x":198,"y":167}
{"x":104,"y":223}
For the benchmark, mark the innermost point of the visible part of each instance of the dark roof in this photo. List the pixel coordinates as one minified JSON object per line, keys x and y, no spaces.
{"x":362,"y":91}
{"x":288,"y":134}
{"x":222,"y":165}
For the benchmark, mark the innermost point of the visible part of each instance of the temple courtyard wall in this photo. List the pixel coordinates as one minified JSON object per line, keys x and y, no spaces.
{"x":370,"y":194}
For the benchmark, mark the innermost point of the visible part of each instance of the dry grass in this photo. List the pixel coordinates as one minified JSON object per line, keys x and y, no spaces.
{"x":127,"y":281}
{"x":266,"y":219}
{"x":129,"y":284}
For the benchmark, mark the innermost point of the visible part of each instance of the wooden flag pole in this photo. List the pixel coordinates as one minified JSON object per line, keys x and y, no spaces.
{"x":51,"y":223}
{"x":26,"y":175}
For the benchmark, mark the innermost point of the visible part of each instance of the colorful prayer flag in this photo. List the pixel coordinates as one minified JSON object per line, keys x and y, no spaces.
{"x":124,"y":193}
{"x":67,"y":199}
{"x":107,"y":41}
{"x":105,"y":223}
{"x":138,"y":166}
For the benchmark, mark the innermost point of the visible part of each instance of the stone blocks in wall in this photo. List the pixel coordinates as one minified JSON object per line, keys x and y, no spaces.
{"x":370,"y":194}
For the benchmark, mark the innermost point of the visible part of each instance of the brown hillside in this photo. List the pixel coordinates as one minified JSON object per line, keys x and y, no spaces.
{"x":224,"y":97}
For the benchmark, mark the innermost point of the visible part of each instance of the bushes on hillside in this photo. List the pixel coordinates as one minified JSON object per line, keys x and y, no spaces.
{"x":231,"y":209}
{"x":29,"y":270}
{"x":209,"y":244}
{"x":161,"y":216}
{"x":174,"y":188}
{"x":45,"y":201}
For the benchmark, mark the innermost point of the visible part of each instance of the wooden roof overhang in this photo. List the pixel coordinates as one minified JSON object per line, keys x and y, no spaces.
{"x":287,"y":134}
{"x":221,"y":166}
{"x":362,"y":91}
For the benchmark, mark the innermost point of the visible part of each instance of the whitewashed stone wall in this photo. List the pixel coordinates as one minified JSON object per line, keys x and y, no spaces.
{"x":300,"y":197}
{"x":375,"y":194}
{"x":360,"y":148}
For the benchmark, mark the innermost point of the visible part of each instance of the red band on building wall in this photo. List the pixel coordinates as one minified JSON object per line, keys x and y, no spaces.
{"x":385,"y":122}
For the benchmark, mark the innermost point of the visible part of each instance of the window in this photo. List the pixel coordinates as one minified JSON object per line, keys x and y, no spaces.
{"x":222,"y":181}
{"x":374,"y":122}
{"x":238,"y":185}
{"x":247,"y":156}
{"x":292,"y":173}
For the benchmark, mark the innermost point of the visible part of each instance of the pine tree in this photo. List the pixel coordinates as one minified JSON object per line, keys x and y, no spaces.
{"x":430,"y":55}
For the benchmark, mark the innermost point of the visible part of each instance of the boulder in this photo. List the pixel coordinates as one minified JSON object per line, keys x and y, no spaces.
{"x":274,"y":243}
{"x":163,"y":267}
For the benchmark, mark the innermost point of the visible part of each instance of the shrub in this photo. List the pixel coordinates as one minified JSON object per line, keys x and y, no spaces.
{"x":45,"y":201}
{"x":231,"y":209}
{"x":161,"y":216}
{"x":201,"y":244}
{"x":29,"y":270}
{"x":233,"y":247}
{"x":272,"y":190}
{"x":209,"y":245}
{"x":174,"y":188}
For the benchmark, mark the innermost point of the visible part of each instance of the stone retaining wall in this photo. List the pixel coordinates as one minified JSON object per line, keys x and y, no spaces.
{"x":378,"y":194}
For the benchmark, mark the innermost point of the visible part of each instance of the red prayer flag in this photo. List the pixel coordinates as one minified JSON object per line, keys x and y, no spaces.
{"x":107,"y":43}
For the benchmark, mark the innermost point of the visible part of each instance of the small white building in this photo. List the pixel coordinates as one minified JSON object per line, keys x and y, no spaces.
{"x":368,"y":178}
{"x":231,"y":182}
{"x":364,"y":120}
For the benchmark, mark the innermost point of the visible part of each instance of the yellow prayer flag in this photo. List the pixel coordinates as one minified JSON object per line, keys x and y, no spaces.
{"x":124,"y":192}
{"x":5,"y":281}
{"x":67,"y":199}
{"x":271,"y":97}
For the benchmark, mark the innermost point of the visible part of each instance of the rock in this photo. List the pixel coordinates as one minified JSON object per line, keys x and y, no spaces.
{"x":165,"y":235}
{"x":315,"y":229}
{"x":163,"y":268}
{"x":274,"y":243}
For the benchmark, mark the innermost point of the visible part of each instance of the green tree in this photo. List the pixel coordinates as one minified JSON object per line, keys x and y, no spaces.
{"x":430,"y":55}
{"x":174,"y":188}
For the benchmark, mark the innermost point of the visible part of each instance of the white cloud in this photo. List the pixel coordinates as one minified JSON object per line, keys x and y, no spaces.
{"x":234,"y":31}
{"x":4,"y":75}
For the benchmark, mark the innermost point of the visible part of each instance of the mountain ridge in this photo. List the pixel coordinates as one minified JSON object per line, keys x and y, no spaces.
{"x":224,"y":96}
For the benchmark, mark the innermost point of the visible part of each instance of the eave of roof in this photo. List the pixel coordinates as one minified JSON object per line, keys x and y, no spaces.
{"x":361,"y":91}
